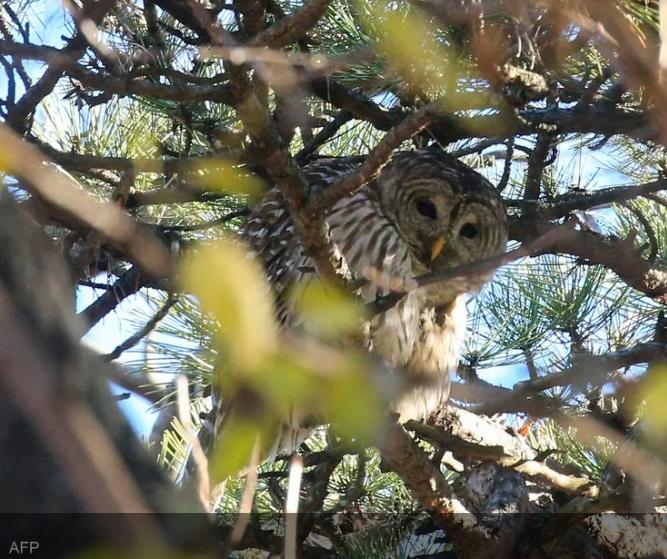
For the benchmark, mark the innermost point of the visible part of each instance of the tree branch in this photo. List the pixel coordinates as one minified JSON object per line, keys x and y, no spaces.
{"x":593,"y":368}
{"x":292,"y":27}
{"x":61,"y":59}
{"x":135,"y":338}
{"x":619,"y":255}
{"x":410,"y":462}
{"x":471,"y":436}
{"x":573,"y":201}
{"x":59,"y":191}
{"x":127,"y":284}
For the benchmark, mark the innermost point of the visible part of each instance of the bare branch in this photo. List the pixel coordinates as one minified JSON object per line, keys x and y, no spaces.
{"x":593,"y":368}
{"x":76,"y":47}
{"x":567,"y":203}
{"x":115,"y":85}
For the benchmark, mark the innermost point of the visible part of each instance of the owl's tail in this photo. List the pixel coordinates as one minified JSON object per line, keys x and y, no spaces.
{"x":290,"y":437}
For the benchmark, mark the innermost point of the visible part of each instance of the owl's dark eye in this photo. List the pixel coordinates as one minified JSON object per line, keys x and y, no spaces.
{"x":469,"y":231}
{"x":427,"y":208}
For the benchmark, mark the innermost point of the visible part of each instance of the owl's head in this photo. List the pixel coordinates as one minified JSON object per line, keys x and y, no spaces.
{"x":449,"y":214}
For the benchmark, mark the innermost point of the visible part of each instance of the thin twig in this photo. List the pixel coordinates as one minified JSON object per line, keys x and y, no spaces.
{"x":461,"y":274}
{"x":248,"y":496}
{"x":198,"y":454}
{"x":135,"y":338}
{"x":292,"y":505}
{"x":507,"y":169}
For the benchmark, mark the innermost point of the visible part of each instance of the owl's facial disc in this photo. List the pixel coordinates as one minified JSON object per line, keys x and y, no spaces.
{"x":473,"y":235}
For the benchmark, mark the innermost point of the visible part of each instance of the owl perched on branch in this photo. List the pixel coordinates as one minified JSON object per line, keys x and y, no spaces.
{"x":425,"y":211}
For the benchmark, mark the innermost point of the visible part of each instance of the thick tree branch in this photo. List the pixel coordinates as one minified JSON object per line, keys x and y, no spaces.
{"x":410,"y":462}
{"x":127,"y":284}
{"x":619,"y":255}
{"x":292,"y":27}
{"x":536,"y":165}
{"x":471,"y":436}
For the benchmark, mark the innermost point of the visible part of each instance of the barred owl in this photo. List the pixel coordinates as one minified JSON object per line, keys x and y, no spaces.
{"x":425,"y":211}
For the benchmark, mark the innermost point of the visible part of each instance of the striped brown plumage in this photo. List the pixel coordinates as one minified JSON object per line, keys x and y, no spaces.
{"x":389,"y":229}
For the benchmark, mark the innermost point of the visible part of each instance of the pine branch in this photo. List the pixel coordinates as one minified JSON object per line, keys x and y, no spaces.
{"x":135,"y":338}
{"x":618,"y":254}
{"x":57,"y":190}
{"x":292,"y":27}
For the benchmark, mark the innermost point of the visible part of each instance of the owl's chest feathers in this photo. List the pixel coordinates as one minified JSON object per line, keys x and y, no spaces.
{"x":441,"y":333}
{"x":416,"y":334}
{"x":430,"y":359}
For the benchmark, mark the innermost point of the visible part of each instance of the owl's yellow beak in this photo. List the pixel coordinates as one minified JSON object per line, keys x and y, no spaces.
{"x":436,"y":247}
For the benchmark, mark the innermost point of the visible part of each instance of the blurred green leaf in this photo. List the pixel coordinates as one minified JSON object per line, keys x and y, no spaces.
{"x":350,"y":401}
{"x":222,"y":175}
{"x":234,"y":289}
{"x":327,"y":310}
{"x":234,"y":448}
{"x":654,"y":394}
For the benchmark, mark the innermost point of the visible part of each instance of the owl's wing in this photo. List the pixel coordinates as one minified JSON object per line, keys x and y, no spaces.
{"x":272,"y":237}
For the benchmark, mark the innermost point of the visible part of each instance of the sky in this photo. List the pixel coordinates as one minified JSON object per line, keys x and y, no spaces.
{"x":108,"y":333}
